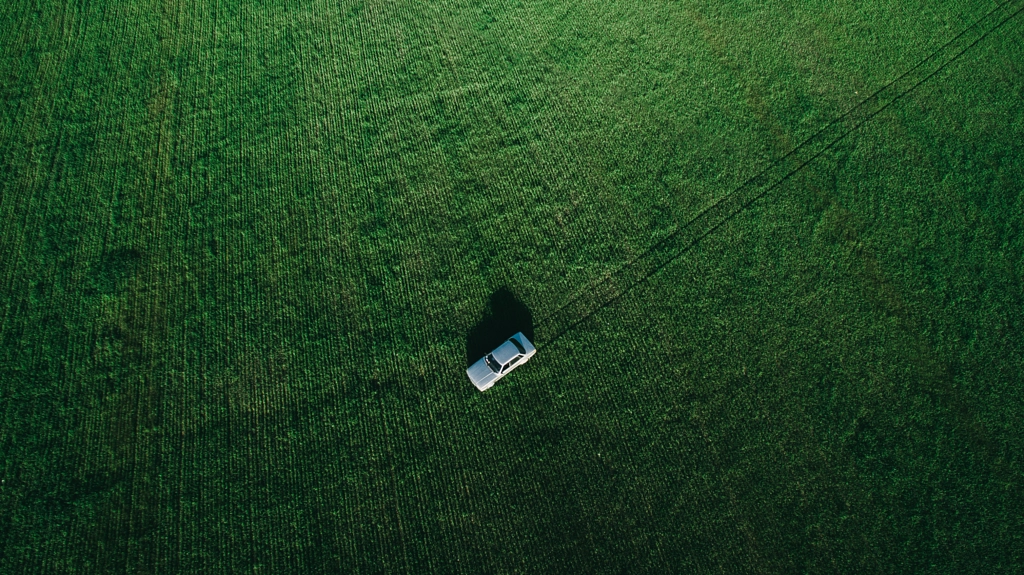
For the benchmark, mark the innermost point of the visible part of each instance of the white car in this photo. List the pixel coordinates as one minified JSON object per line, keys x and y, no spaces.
{"x":496,"y":365}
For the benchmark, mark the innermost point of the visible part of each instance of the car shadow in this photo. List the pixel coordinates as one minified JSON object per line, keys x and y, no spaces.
{"x":505,"y":317}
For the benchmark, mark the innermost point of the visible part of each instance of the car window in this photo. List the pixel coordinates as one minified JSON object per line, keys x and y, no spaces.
{"x":511,"y":362}
{"x":492,"y":363}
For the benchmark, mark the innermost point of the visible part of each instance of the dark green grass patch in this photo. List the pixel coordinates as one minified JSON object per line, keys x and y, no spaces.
{"x":242,"y":247}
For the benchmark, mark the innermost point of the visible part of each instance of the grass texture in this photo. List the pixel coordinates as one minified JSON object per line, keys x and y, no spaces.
{"x":772,"y":251}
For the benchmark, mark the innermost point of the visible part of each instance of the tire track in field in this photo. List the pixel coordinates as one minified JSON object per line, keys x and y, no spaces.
{"x":936,"y":373}
{"x":615,"y":284}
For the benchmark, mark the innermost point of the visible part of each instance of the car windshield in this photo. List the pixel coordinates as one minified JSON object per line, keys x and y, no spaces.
{"x":518,"y":345}
{"x":492,"y":363}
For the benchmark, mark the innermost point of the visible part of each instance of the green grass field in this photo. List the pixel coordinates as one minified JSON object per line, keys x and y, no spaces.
{"x":772,"y":251}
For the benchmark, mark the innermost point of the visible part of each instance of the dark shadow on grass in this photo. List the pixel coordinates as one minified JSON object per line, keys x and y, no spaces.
{"x":505,"y":317}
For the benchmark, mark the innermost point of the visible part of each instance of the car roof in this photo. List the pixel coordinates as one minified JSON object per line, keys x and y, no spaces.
{"x":505,"y":352}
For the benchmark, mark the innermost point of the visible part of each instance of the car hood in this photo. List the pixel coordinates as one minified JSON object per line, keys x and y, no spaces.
{"x":479,"y":373}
